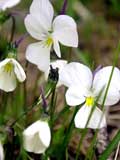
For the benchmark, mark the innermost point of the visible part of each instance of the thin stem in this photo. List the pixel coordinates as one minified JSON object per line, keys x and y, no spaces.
{"x":13,"y":28}
{"x":80,"y":142}
{"x":117,"y":152}
{"x":86,"y":129}
{"x":110,"y":78}
{"x":52,"y":107}
{"x":90,"y":150}
{"x":69,"y":131}
{"x":63,"y":10}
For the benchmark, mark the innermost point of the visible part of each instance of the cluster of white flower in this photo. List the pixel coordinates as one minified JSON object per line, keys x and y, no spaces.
{"x":83,"y":87}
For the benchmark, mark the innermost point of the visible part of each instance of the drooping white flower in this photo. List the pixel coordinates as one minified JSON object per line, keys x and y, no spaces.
{"x":4,"y":4}
{"x":41,"y":26}
{"x":84,"y":88}
{"x":36,"y":138}
{"x":60,"y":64}
{"x":10,"y":72}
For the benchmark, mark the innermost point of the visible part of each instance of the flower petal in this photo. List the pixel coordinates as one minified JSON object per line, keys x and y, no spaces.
{"x":4,"y":62}
{"x":1,"y":152}
{"x":82,"y":116}
{"x":35,"y":27}
{"x":37,"y":54}
{"x":45,"y":134}
{"x":20,"y":74}
{"x":4,"y":4}
{"x":33,"y":138}
{"x":100,"y":83}
{"x":7,"y":80}
{"x":56,"y":47}
{"x":44,"y":12}
{"x":65,"y":30}
{"x":75,"y":74}
{"x":75,"y":95}
{"x":97,"y":120}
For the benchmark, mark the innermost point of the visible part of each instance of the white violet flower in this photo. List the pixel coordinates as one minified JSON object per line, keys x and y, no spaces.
{"x":10,"y":72}
{"x":4,"y":4}
{"x":36,"y":138}
{"x":60,"y":64}
{"x":41,"y":26}
{"x":84,"y":88}
{"x":1,"y":152}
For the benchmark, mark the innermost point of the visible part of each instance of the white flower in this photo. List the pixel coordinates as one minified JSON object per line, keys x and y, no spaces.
{"x":1,"y":152}
{"x":60,"y":64}
{"x":84,"y":88}
{"x":4,"y":4}
{"x":36,"y":138}
{"x":41,"y":26}
{"x":10,"y":72}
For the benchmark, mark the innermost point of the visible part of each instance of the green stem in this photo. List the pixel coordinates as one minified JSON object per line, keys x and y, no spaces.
{"x":110,"y":147}
{"x":69,"y":132}
{"x":80,"y":142}
{"x":117,"y":52}
{"x":90,"y":151}
{"x":52,"y":107}
{"x":13,"y":28}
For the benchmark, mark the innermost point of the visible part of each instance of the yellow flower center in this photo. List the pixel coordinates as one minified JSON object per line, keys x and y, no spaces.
{"x":49,"y":42}
{"x":89,"y":101}
{"x":8,"y":67}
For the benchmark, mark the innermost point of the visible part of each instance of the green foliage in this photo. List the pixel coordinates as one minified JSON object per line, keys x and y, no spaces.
{"x":111,"y":146}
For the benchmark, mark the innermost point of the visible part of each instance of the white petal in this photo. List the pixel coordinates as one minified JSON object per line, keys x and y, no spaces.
{"x":45,"y":134}
{"x":4,"y":62}
{"x":44,"y":11}
{"x":56,"y":47}
{"x":7,"y":80}
{"x":65,"y":30}
{"x":100,"y":82}
{"x":4,"y":4}
{"x":60,"y":64}
{"x":36,"y":138}
{"x":97,"y":120}
{"x":20,"y":74}
{"x":37,"y":54}
{"x":1,"y":152}
{"x":82,"y":116}
{"x":75,"y":95}
{"x":76,"y":74}
{"x":35,"y":27}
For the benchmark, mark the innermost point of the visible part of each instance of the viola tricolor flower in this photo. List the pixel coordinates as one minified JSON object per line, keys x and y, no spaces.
{"x":36,"y":138}
{"x":10,"y":72}
{"x":4,"y":4}
{"x":85,"y":88}
{"x":41,"y":26}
